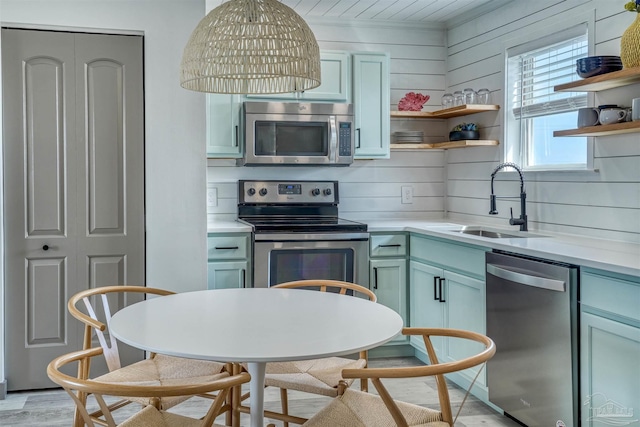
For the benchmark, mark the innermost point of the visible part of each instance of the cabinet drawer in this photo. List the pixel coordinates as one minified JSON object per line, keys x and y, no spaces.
{"x":384,"y":245}
{"x":449,"y":255}
{"x":228,"y":247}
{"x":612,"y":294}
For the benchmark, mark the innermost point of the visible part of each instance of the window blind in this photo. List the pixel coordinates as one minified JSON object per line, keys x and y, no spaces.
{"x":536,"y":72}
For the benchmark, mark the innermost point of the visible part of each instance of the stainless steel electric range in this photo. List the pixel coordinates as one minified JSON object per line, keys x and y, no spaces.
{"x":298,"y":235}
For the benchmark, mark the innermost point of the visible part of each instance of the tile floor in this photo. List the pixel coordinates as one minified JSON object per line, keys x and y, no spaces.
{"x":53,"y":408}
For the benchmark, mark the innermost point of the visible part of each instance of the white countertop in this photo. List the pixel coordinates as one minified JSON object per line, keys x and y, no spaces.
{"x":228,"y":227}
{"x":618,"y":257}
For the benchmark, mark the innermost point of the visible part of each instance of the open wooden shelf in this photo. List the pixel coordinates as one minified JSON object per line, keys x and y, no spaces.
{"x":602,"y":82}
{"x":601,"y":130}
{"x":446,"y":144}
{"x":460,"y":110}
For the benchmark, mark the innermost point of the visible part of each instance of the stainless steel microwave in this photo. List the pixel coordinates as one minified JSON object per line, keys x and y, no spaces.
{"x":301,"y":134}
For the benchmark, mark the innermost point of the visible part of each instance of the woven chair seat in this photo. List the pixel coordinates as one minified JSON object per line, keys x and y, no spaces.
{"x":359,"y":409}
{"x":165,"y":370}
{"x":318,"y":376}
{"x":151,"y":417}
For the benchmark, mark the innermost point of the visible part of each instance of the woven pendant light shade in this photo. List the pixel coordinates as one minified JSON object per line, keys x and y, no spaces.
{"x":251,"y":46}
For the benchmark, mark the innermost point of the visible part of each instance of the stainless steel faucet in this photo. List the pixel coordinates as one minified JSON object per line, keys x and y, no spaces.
{"x":522,"y":220}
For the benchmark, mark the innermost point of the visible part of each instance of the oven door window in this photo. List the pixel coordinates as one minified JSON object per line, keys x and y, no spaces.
{"x":275,"y":138}
{"x":303,"y":264}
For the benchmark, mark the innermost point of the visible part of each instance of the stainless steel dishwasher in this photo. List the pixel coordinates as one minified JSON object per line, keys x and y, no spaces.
{"x":532,"y":315}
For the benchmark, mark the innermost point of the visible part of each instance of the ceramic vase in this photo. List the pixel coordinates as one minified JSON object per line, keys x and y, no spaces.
{"x":630,"y":45}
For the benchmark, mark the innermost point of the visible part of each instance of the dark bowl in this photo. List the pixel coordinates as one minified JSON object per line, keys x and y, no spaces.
{"x":460,"y":135}
{"x":599,"y":70}
{"x":597,"y":59}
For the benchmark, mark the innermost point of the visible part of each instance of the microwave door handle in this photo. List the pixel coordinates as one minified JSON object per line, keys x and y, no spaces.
{"x":333,"y":139}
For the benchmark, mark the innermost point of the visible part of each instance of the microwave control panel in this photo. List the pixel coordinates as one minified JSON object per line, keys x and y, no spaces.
{"x":344,"y":139}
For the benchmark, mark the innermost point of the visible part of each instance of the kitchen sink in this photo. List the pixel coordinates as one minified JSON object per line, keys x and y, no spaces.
{"x":494,"y":233}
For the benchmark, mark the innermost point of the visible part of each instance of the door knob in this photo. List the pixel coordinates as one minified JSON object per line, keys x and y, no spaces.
{"x":45,"y":248}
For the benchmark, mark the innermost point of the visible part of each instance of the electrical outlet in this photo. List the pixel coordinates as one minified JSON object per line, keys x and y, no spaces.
{"x":212,"y":197}
{"x":407,"y":194}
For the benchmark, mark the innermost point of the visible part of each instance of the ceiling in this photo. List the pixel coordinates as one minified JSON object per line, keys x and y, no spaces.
{"x":408,"y":11}
{"x":388,"y":10}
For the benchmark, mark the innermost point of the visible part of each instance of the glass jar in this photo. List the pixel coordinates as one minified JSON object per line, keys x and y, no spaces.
{"x":483,"y":96}
{"x":447,"y":100}
{"x":469,"y":96}
{"x":458,"y":98}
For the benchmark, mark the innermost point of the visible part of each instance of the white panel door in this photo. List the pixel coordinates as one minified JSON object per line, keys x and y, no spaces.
{"x":74,"y":187}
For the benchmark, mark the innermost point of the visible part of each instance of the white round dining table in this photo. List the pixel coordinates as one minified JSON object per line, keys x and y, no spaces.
{"x":256,"y":326}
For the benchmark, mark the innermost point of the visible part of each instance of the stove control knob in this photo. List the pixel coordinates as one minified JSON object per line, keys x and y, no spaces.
{"x":251,"y":191}
{"x":327,"y":191}
{"x":263,"y":191}
{"x":315,"y":192}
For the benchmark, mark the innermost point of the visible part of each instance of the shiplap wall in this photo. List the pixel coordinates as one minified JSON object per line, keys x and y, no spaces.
{"x":370,"y":189}
{"x":602,"y":204}
{"x":456,"y":183}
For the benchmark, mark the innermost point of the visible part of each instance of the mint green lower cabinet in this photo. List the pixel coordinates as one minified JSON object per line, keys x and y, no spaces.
{"x":425,"y":309}
{"x":447,"y":289}
{"x":465,"y":309}
{"x":610,"y":371}
{"x":441,"y":298}
{"x":609,"y":349}
{"x":229,"y":260}
{"x":388,"y":279}
{"x":227,"y":274}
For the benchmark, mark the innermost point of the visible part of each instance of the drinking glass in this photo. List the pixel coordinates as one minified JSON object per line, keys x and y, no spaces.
{"x":447,"y":100}
{"x":458,"y":98}
{"x":469,"y":96}
{"x":483,"y":96}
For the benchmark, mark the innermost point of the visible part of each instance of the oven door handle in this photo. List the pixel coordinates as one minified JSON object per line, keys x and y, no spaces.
{"x":298,"y":237}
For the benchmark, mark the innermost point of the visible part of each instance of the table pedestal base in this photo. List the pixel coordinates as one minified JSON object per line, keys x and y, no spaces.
{"x":256,"y":389}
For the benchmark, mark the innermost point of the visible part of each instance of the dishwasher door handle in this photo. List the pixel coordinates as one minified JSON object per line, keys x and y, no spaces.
{"x":526,"y":279}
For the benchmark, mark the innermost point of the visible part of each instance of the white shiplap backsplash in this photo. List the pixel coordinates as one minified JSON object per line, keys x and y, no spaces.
{"x":371,"y":189}
{"x":603,"y":204}
{"x":456,"y":183}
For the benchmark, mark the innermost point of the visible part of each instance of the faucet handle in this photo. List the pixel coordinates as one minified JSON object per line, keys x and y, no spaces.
{"x":513,"y":221}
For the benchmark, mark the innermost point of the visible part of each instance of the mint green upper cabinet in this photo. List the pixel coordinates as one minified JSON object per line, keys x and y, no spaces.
{"x":371,"y":105}
{"x":335,"y":82}
{"x":224,"y":133}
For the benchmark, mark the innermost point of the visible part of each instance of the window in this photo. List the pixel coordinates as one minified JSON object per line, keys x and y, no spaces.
{"x":534,"y":110}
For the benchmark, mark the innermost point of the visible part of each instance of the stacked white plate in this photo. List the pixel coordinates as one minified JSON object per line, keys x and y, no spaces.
{"x":409,"y":137}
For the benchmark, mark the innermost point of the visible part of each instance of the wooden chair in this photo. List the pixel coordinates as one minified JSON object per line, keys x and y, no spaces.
{"x":99,"y":304}
{"x":150,"y":415}
{"x":358,"y":409}
{"x":318,"y":376}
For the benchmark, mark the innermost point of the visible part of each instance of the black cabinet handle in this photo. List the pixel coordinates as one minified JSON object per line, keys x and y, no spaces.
{"x":435,"y":288}
{"x":397,"y":245}
{"x":244,"y":278}
{"x":45,"y":248}
{"x":375,"y":277}
{"x":441,"y":298}
{"x":358,"y":130}
{"x":236,"y":142}
{"x":221,"y":248}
